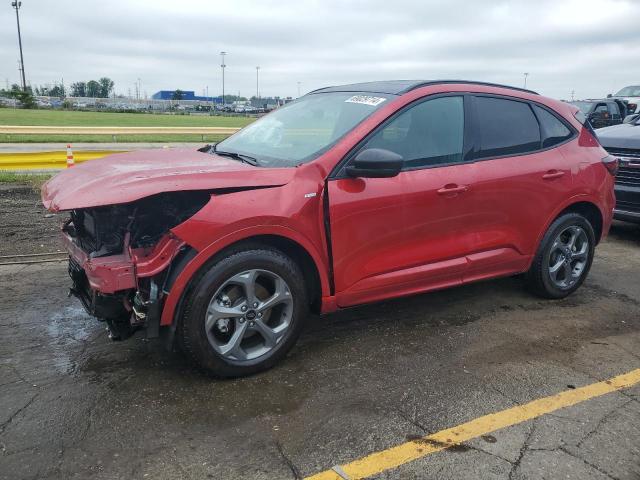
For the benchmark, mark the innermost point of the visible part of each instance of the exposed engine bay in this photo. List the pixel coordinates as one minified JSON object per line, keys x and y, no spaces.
{"x":119,"y":239}
{"x":102,"y":231}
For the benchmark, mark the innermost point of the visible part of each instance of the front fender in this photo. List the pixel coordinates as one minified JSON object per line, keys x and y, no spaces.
{"x":182,"y":280}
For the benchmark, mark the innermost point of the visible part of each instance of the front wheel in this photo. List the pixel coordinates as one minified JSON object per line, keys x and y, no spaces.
{"x":564,"y":257}
{"x":245,"y":313}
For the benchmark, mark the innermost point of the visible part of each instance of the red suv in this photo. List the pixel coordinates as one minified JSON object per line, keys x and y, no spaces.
{"x":348,"y":195}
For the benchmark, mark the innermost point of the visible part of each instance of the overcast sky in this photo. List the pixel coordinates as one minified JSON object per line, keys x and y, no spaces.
{"x":590,"y":46}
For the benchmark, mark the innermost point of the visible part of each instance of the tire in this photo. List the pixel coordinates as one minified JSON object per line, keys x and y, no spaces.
{"x":256,"y":338}
{"x":555,"y":250}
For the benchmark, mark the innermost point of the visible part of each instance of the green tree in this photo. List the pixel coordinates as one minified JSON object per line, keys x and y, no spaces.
{"x":25,"y":98}
{"x":56,"y":91}
{"x":106,"y":87}
{"x":79,"y":89}
{"x":93,"y":89}
{"x":177,"y":95}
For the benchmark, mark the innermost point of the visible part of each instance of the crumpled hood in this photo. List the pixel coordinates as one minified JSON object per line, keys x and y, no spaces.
{"x":126,"y":177}
{"x":624,"y":135}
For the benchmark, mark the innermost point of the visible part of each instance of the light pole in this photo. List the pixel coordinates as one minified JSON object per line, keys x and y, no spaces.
{"x":257,"y":84}
{"x":139,"y":89}
{"x":223,"y":66}
{"x":17,"y":6}
{"x":526,"y":74}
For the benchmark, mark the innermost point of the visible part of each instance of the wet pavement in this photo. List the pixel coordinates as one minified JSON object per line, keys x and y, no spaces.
{"x":74,"y":405}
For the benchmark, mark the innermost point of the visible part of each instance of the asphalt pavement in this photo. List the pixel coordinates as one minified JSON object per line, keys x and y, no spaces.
{"x":73,"y":405}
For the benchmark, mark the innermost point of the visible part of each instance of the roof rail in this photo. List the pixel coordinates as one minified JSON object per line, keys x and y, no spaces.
{"x":470,"y":82}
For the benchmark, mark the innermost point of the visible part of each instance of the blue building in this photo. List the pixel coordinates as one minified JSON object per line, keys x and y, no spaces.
{"x":186,"y":95}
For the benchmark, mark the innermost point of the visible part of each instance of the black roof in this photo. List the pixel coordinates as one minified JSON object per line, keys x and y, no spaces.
{"x":399,"y":87}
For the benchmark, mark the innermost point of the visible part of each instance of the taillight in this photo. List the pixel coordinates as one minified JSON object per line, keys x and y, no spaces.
{"x":611,"y":164}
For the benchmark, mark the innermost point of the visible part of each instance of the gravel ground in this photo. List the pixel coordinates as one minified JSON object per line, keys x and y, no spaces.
{"x":25,"y":226}
{"x":75,"y":406}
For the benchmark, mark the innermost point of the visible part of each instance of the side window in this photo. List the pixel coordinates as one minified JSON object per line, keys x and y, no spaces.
{"x":600,"y":109}
{"x":553,"y":130}
{"x":506,"y":127}
{"x":613,"y":109}
{"x":427,"y":134}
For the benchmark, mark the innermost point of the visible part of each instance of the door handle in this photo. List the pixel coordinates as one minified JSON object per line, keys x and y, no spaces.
{"x":452,"y":188}
{"x":551,"y":174}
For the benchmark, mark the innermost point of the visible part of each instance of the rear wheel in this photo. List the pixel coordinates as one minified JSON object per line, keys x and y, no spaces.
{"x":245,"y":313}
{"x":564,"y":257}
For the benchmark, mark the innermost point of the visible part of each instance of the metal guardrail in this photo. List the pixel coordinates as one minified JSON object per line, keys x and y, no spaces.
{"x":47,"y":160}
{"x":71,"y":130}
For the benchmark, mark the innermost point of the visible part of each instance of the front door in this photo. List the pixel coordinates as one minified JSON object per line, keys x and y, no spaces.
{"x":409,"y":233}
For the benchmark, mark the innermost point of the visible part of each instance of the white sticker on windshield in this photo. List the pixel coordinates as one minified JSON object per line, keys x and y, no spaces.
{"x":366,"y":100}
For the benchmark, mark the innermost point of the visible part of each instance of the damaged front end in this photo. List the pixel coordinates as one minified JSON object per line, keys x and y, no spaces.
{"x":123,"y":258}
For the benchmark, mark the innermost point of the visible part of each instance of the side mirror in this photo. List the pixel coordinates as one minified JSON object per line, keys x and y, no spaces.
{"x":375,"y":163}
{"x":609,"y":95}
{"x":631,"y":118}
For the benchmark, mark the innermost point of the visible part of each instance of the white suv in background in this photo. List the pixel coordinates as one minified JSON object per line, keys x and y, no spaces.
{"x":631,"y":96}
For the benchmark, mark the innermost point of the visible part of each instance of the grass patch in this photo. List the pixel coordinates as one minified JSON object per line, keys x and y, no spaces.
{"x":4,"y":138}
{"x":34,"y":180}
{"x":54,"y":118}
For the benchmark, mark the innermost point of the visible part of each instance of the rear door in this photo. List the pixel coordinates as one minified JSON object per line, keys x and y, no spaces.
{"x":520,"y":178}
{"x":409,"y":233}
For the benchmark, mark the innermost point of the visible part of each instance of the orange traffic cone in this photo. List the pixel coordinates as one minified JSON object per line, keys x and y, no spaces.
{"x":70,"y":162}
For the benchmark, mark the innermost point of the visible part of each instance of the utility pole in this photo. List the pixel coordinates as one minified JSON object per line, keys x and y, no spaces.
{"x":257,"y":84}
{"x":17,"y":6}
{"x":526,"y":74}
{"x":223,"y":66}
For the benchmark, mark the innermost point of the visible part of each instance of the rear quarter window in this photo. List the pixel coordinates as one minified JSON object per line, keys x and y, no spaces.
{"x":553,"y":130}
{"x":506,"y":127}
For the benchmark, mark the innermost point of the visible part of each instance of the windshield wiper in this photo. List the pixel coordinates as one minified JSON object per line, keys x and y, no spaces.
{"x":237,"y":156}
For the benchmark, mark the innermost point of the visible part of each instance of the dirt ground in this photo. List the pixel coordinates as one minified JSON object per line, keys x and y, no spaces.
{"x":73,"y":405}
{"x":25,"y":226}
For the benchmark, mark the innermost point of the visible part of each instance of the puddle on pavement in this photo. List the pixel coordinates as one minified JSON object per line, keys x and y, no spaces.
{"x":66,"y":329}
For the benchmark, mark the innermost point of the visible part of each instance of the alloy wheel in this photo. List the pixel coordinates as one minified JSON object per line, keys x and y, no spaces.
{"x":249,"y":315}
{"x":568,"y":257}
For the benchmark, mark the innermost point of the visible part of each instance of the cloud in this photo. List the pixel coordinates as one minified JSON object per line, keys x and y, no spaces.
{"x":587,"y":46}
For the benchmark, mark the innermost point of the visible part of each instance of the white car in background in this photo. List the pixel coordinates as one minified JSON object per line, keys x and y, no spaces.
{"x":631,"y":96}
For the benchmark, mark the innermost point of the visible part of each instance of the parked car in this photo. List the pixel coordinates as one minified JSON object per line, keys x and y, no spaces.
{"x":631,"y":96}
{"x":602,"y":113}
{"x":348,"y":195}
{"x":623,"y":141}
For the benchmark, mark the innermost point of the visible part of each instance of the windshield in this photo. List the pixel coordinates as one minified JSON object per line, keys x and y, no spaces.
{"x":632,"y":91}
{"x":300,"y":131}
{"x":583,"y":106}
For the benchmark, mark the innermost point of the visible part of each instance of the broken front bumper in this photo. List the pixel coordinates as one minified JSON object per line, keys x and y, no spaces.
{"x":124,"y":289}
{"x":115,"y":273}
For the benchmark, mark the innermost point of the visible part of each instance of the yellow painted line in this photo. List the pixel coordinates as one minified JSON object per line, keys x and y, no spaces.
{"x":47,"y":160}
{"x":393,"y":457}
